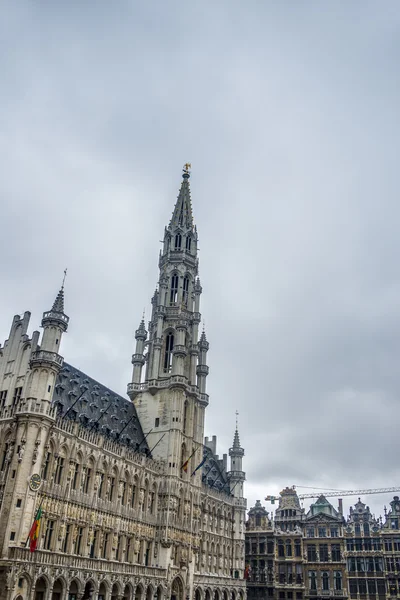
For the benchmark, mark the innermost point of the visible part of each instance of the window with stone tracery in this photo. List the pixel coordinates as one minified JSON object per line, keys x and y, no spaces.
{"x":178,"y":241}
{"x":173,"y":298}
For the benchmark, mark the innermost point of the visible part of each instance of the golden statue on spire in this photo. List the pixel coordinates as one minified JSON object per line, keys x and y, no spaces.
{"x":186,"y":167}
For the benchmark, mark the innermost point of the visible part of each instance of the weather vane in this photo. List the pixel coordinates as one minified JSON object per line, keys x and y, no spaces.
{"x":187,"y":166}
{"x":237,"y":414}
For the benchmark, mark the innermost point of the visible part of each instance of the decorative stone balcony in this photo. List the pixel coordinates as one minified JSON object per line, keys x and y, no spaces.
{"x":98,"y":565}
{"x":138,"y":359}
{"x":58,"y":318}
{"x":202,"y":370}
{"x":43,"y":358}
{"x":152,"y":385}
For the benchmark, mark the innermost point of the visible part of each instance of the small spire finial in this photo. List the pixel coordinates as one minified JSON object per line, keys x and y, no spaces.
{"x":237,"y":415}
{"x":63,"y":281}
{"x":186,"y":167}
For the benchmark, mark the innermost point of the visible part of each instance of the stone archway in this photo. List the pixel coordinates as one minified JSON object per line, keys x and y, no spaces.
{"x":177,"y":589}
{"x":208,"y":595}
{"x":58,"y":589}
{"x":41,"y":589}
{"x":217,"y":594}
{"x":139,"y":592}
{"x":73,"y":590}
{"x":89,"y":590}
{"x":197,"y":594}
{"x":149,"y":593}
{"x":159,"y":594}
{"x":102,"y":595}
{"x":115,"y":592}
{"x":128,"y":592}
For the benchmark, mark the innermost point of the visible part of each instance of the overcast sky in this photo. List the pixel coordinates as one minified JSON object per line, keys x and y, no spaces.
{"x":289,"y":114}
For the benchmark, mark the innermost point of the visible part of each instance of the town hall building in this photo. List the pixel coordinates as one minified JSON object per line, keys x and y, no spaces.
{"x":132,"y":501}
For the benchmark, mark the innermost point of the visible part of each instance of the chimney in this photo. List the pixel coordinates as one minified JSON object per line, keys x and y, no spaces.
{"x":340,"y":506}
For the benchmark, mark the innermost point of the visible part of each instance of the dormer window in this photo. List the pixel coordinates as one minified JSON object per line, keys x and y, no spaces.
{"x":178,"y":241}
{"x":174,"y":289}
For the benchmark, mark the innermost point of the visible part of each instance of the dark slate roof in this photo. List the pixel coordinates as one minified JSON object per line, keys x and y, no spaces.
{"x":213,"y":472}
{"x":82,"y":399}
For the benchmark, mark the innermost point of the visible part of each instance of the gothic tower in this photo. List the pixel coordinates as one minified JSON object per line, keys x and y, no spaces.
{"x":35,"y":415}
{"x":236,"y":475}
{"x":170,"y":392}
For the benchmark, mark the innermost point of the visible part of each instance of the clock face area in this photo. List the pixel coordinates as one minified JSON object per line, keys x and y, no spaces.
{"x":35,"y":482}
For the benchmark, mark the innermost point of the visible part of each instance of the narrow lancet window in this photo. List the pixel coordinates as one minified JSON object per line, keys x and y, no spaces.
{"x":178,"y":241}
{"x":174,"y":289}
{"x":188,"y":243}
{"x":185,"y":295}
{"x":169,"y":346}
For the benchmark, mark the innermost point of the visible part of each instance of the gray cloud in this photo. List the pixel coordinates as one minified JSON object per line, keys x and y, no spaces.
{"x":289,"y":114}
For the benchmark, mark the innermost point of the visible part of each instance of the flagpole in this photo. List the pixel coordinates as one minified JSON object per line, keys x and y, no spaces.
{"x":34,"y":520}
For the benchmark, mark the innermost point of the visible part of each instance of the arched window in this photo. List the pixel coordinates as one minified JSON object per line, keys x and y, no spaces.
{"x":288,"y":548}
{"x":338,"y":580}
{"x":185,"y":296}
{"x":169,"y":345}
{"x":178,"y":241}
{"x":174,"y":289}
{"x":297,"y":547}
{"x":188,"y":243}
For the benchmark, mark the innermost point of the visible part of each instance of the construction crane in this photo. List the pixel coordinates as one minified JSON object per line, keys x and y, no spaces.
{"x":339,"y":493}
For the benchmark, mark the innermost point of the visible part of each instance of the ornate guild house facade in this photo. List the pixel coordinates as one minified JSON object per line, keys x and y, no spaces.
{"x":320,"y":554}
{"x":132,"y":502}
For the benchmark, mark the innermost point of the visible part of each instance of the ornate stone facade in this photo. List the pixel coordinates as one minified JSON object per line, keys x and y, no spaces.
{"x":134,"y":503}
{"x":320,"y":554}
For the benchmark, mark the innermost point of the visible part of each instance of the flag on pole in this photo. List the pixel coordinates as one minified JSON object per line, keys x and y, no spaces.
{"x":185,"y":465}
{"x":200,"y":465}
{"x":35,"y":529}
{"x":247,"y":572}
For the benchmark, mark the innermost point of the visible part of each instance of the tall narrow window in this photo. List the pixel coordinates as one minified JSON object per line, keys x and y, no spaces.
{"x":3,"y":461}
{"x":169,"y":345}
{"x":101,"y":484}
{"x":49,"y":535}
{"x":111,"y":489}
{"x":185,"y":413}
{"x":17,"y":395}
{"x":78,"y":541}
{"x":325,"y":581}
{"x":133,"y":496}
{"x":178,"y":241}
{"x":59,"y":470}
{"x":188,"y":243}
{"x":75,"y":476}
{"x":105,"y":545}
{"x":338,"y":580}
{"x":66,"y":539}
{"x":185,"y":296}
{"x":174,"y":289}
{"x":312,"y":580}
{"x":93,"y":544}
{"x":87,"y":480}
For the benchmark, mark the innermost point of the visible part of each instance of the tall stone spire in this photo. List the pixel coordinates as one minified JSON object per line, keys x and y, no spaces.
{"x":58,"y":304}
{"x":237,"y":475}
{"x":171,"y":397}
{"x":182,"y":217}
